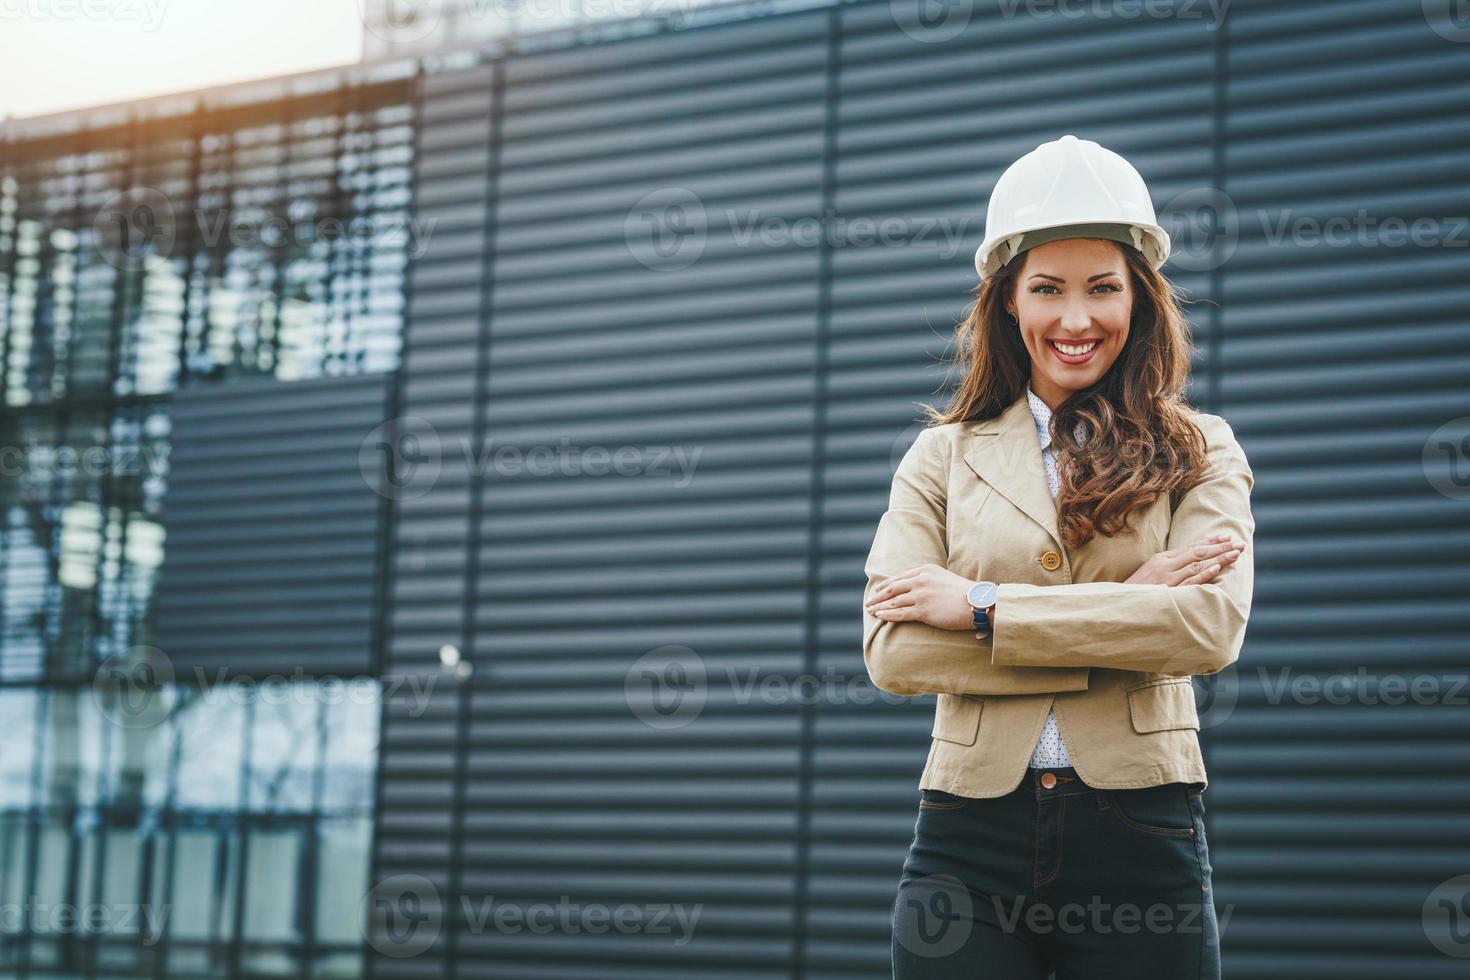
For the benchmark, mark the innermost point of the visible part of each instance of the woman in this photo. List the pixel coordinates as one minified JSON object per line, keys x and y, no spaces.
{"x":1065,"y":546}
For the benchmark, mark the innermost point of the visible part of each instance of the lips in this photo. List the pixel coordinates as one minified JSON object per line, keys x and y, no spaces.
{"x":1087,"y":349}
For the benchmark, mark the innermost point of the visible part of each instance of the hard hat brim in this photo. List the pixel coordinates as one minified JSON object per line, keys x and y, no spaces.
{"x":1149,"y":239}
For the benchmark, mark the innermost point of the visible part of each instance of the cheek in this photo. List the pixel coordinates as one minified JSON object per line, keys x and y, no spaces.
{"x":1113,"y":353}
{"x":1120,"y":316}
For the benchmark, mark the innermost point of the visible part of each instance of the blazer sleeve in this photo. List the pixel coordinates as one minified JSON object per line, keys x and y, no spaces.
{"x":914,"y":657}
{"x":1175,"y":630}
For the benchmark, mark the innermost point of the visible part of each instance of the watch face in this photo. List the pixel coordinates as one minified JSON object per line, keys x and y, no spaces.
{"x":983,"y":594}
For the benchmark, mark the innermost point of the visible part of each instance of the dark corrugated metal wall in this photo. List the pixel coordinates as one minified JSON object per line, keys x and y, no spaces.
{"x":1336,"y":814}
{"x":578,"y":576}
{"x":421,"y":780}
{"x":558,"y":308}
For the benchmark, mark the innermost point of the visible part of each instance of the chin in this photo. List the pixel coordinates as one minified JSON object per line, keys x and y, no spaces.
{"x":1073,"y":383}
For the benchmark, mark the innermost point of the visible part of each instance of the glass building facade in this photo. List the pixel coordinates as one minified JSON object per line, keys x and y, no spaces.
{"x":177,"y":829}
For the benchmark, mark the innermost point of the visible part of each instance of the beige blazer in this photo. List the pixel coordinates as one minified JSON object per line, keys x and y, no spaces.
{"x":1114,"y":659}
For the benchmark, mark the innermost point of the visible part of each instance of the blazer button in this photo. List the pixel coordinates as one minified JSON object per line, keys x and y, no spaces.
{"x":1051,"y":561}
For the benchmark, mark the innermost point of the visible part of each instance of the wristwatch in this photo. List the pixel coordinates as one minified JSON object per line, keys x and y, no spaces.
{"x":982,"y":596}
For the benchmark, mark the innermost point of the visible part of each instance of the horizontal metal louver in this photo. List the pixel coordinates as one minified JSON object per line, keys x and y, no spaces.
{"x":596,"y":343}
{"x":419,"y":774}
{"x":1336,"y":808}
{"x":629,"y":317}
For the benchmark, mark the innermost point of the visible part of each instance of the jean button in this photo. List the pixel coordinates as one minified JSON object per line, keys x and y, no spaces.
{"x":1048,"y":779}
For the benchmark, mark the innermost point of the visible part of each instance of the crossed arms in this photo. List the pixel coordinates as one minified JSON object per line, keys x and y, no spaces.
{"x":1047,"y":637}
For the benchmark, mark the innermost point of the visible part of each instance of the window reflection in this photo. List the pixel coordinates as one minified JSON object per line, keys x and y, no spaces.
{"x":136,"y":260}
{"x":233,"y":835}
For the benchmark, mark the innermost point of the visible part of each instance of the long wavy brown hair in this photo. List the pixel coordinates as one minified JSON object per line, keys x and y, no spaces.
{"x":1139,"y":440}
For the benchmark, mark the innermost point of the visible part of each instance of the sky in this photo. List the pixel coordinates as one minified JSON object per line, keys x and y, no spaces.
{"x":57,"y":55}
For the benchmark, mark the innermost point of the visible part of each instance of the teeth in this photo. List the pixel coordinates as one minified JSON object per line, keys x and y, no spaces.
{"x":1074,"y":350}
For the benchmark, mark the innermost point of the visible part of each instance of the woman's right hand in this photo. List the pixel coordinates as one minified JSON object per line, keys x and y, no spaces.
{"x":1193,"y":564}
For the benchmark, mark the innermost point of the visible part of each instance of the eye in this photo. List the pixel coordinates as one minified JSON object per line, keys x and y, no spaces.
{"x":1110,"y":287}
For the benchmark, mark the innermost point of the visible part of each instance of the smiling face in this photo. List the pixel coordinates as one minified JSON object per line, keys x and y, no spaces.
{"x":1074,"y":300}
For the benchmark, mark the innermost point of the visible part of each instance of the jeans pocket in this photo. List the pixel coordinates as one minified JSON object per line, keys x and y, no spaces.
{"x":938,"y":799}
{"x":1166,"y":810}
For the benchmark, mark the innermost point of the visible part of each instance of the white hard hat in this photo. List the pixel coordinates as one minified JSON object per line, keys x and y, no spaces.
{"x":1069,"y":188}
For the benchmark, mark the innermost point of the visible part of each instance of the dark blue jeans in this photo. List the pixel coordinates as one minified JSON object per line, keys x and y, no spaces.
{"x":1056,"y":875}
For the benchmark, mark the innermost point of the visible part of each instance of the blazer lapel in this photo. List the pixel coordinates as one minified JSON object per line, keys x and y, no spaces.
{"x":1006,"y":453}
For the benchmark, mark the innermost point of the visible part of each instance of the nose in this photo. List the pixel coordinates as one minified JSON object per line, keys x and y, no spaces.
{"x":1075,"y":317}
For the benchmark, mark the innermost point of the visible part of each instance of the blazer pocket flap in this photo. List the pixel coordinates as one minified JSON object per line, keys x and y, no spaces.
{"x":1163,"y":705}
{"x":957,"y":718}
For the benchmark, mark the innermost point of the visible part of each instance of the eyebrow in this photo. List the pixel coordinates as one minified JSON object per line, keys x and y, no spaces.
{"x":1100,"y":275}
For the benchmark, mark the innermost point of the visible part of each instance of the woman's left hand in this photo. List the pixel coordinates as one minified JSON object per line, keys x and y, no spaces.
{"x":928,"y":594}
